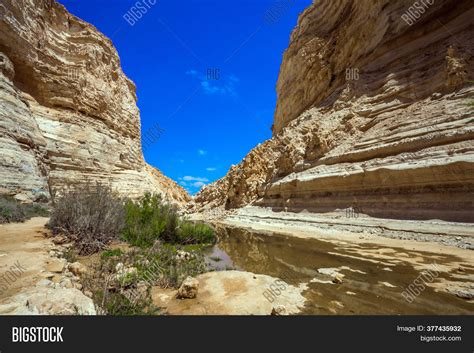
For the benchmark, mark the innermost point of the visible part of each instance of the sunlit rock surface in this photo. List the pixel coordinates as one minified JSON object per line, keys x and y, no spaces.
{"x":372,"y":113}
{"x":67,"y":111}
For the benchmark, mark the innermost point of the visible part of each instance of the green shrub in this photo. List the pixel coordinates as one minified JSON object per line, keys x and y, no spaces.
{"x":13,"y":211}
{"x":111,"y":253}
{"x":119,"y":304}
{"x":160,"y":266}
{"x":89,"y":215}
{"x":150,"y":219}
{"x":155,"y":266}
{"x":195,"y":233}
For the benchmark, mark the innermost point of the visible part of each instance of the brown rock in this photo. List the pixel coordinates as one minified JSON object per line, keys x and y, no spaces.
{"x":77,"y":269}
{"x":56,"y":266}
{"x":188,"y":289}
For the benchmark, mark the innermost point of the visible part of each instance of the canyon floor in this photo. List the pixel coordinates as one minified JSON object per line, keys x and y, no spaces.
{"x":329,"y":264}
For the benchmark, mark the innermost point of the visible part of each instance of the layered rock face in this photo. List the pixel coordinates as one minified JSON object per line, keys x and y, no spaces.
{"x":373,"y":112}
{"x":67,"y":111}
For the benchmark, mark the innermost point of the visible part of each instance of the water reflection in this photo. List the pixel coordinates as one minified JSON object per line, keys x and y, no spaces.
{"x":368,"y":287}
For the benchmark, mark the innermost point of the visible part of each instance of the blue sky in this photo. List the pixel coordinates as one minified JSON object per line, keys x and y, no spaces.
{"x":205,"y":71}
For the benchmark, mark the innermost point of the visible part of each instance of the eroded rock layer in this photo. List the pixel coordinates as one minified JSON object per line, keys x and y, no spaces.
{"x":373,"y":112}
{"x":67,"y":111}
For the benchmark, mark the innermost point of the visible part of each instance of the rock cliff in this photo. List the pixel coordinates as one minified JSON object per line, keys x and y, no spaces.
{"x":67,"y":111}
{"x":374,"y":112}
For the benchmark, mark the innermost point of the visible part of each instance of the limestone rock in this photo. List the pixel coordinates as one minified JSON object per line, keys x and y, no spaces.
{"x":461,"y":290}
{"x":77,"y":269}
{"x":279,"y":310}
{"x":68,"y":113}
{"x":49,"y":301}
{"x":56,"y":265}
{"x":371,"y":115}
{"x":188,"y":289}
{"x":232,"y":293}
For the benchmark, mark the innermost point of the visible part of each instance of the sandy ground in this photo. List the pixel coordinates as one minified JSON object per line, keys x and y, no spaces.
{"x":24,"y":244}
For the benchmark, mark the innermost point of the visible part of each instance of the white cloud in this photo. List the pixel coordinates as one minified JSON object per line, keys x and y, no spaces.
{"x":211,"y":169}
{"x":202,"y":152}
{"x":191,"y":178}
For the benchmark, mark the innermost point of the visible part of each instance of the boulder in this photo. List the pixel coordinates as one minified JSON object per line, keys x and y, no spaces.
{"x":49,"y":301}
{"x":188,"y":289}
{"x":77,"y":269}
{"x":233,"y":293}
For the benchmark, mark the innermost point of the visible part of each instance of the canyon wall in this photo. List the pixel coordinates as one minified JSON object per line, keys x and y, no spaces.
{"x":67,"y":111}
{"x":374,"y":112}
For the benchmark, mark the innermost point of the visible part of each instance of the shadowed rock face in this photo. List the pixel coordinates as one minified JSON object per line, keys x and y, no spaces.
{"x":372,"y":112}
{"x":68,"y":113}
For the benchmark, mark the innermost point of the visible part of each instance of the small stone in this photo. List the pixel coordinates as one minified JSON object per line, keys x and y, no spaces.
{"x":278,"y":310}
{"x":44,"y":283}
{"x":463,"y":291}
{"x":338,"y":279}
{"x":23,"y":198}
{"x":119,"y":267}
{"x":56,"y":266}
{"x":188,"y":289}
{"x":57,"y":278}
{"x":66,"y":283}
{"x":77,"y":269}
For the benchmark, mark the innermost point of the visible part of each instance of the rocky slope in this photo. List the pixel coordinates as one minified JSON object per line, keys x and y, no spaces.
{"x":373,"y":114}
{"x":67,"y":111}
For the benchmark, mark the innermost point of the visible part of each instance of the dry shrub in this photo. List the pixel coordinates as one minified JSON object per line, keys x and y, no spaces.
{"x":89,"y":215}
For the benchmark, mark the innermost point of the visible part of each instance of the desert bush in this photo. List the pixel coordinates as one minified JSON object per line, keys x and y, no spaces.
{"x":163,"y":267}
{"x":195,"y":233}
{"x":146,"y":220}
{"x":13,"y":211}
{"x":159,"y":265}
{"x":120,"y":304}
{"x":89,"y":215}
{"x":111,"y":253}
{"x":111,"y":296}
{"x":151,"y":219}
